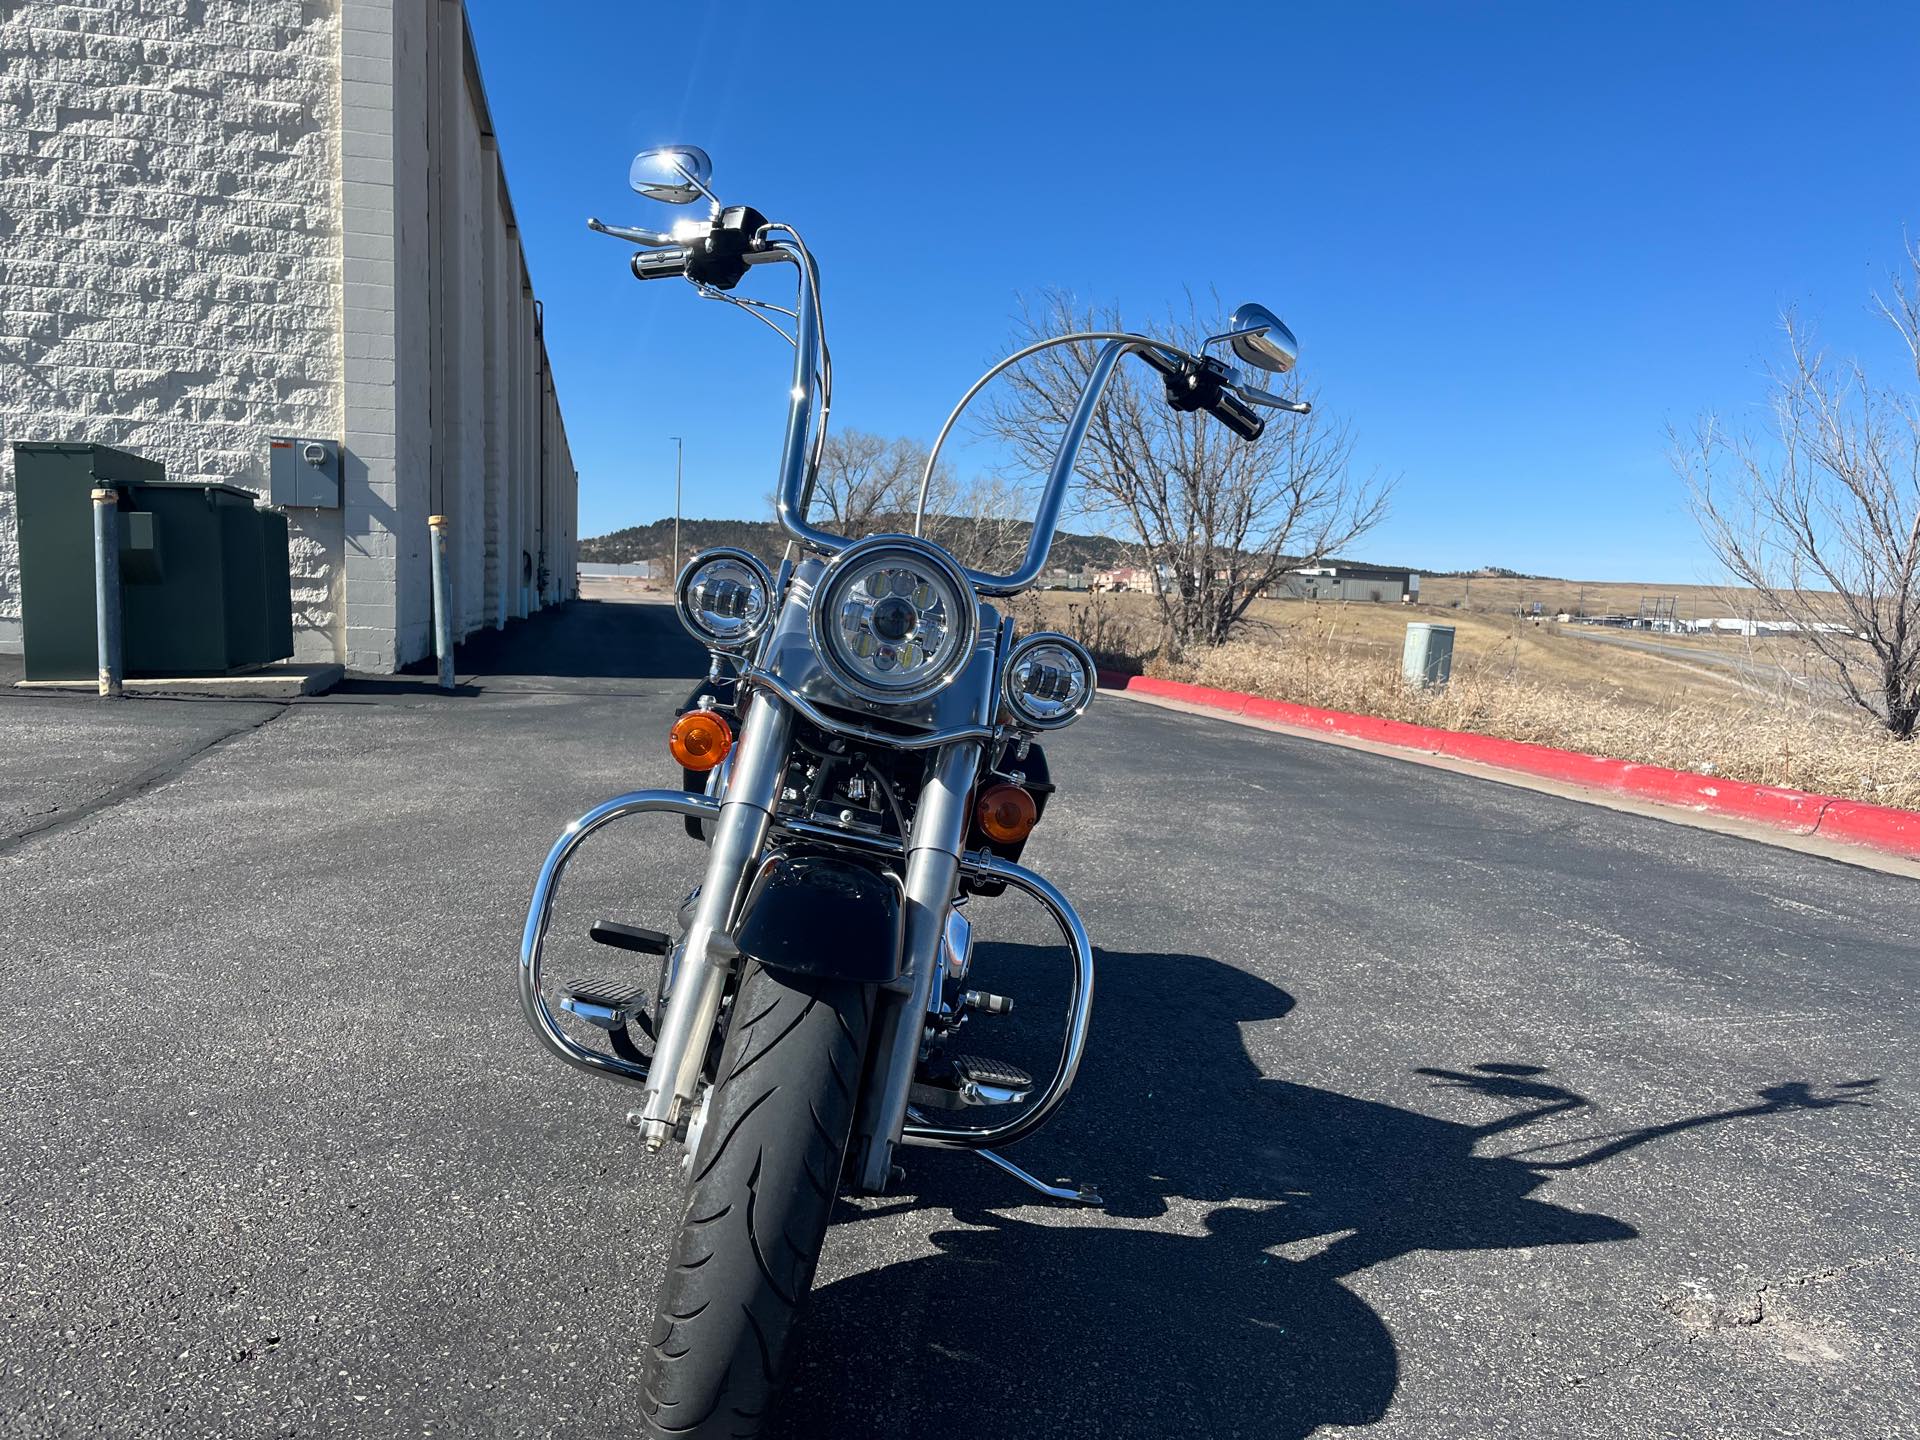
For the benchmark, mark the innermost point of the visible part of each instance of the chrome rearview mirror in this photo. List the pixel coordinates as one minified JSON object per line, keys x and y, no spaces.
{"x":1260,"y":339}
{"x":677,"y":174}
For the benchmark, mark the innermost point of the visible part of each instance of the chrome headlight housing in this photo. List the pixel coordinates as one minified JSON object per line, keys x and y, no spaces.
{"x":894,"y":619}
{"x":1049,"y":680}
{"x":725,"y":598}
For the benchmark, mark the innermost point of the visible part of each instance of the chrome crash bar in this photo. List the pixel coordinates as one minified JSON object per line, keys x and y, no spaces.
{"x":533,"y":939}
{"x":917,"y":1130}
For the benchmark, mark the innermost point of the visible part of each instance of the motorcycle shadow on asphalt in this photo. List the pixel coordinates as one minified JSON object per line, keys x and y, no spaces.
{"x":1230,"y":1316}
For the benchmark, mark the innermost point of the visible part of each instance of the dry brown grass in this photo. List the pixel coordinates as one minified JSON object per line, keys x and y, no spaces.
{"x":1486,"y":594}
{"x":1521,"y":682}
{"x":1763,"y":741}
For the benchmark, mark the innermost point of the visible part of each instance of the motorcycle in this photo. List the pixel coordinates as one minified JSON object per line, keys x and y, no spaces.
{"x":864,"y":757}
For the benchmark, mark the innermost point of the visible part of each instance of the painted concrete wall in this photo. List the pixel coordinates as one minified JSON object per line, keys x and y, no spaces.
{"x":445,"y":414}
{"x":252,"y":217}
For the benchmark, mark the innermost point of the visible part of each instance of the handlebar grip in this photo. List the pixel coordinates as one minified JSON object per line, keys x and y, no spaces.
{"x":660,"y":264}
{"x":1238,"y":416}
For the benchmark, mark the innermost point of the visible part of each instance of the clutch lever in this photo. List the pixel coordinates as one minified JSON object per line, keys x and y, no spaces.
{"x":1254,"y":395}
{"x":629,"y":233}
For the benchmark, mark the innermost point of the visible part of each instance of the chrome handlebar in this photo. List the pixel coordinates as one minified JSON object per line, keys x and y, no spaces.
{"x":796,"y":471}
{"x":805,"y":433}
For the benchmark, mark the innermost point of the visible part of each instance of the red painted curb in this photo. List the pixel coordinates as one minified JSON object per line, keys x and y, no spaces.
{"x":1852,"y":821}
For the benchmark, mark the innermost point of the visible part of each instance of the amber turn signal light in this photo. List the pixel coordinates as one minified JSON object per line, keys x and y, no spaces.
{"x":700,"y":739}
{"x":1005,"y":813}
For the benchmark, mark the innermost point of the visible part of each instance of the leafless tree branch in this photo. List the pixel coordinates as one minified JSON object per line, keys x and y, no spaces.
{"x":1222,"y":520}
{"x":1820,"y":516}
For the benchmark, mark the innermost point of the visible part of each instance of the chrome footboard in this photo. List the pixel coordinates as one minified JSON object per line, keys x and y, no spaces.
{"x":539,"y":1015}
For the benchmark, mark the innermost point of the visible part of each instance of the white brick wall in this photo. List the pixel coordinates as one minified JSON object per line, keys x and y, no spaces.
{"x":170,"y":270}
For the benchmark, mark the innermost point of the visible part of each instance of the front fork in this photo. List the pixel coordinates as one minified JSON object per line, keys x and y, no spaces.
{"x":707,"y":959}
{"x":939,"y":831}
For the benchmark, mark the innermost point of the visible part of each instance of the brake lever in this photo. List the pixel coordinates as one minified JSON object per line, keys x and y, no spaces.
{"x":1253,"y":395}
{"x":629,"y":233}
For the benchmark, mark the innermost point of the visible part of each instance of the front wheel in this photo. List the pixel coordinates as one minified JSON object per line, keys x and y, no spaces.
{"x":764,"y":1177}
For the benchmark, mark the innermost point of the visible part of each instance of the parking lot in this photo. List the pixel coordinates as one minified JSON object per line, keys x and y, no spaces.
{"x":1422,"y":1105}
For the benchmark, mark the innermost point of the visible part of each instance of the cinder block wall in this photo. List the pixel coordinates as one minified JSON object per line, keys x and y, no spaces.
{"x":230,"y":219}
{"x":170,"y":266}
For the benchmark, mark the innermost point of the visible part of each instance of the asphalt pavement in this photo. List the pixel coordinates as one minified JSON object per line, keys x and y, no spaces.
{"x":1424,"y":1106}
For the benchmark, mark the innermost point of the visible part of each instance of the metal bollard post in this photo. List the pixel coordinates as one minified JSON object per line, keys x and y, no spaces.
{"x":106,"y":587}
{"x":442,"y":602}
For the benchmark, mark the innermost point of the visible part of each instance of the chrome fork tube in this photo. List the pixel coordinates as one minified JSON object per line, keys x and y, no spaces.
{"x":739,"y":834}
{"x":933,"y":873}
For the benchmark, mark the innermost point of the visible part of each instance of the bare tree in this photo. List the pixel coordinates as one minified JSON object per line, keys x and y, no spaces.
{"x":1219,"y":519}
{"x":983,"y":522}
{"x":1820,"y":516}
{"x":866,"y":480}
{"x":867,"y":484}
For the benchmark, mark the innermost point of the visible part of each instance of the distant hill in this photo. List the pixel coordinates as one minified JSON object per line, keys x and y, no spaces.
{"x":767,"y":540}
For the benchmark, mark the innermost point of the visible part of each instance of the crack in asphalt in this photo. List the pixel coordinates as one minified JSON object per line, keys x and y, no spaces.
{"x":1701,"y":1313}
{"x":54,"y":821}
{"x":1706,"y":1311}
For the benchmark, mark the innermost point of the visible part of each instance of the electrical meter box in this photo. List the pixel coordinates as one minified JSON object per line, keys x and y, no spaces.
{"x":303,"y":473}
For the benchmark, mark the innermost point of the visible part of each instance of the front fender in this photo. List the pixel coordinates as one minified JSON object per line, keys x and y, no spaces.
{"x":824,"y":915}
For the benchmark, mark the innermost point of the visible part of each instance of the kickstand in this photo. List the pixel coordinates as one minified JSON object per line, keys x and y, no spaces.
{"x":1084,"y":1195}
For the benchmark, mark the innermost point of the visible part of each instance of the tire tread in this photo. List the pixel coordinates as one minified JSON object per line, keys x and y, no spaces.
{"x":757,"y":1208}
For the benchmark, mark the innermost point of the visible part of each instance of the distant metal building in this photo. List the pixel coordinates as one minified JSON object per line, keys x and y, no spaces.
{"x":1367,"y":584}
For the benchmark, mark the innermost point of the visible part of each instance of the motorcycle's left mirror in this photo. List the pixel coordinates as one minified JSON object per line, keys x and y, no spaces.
{"x":677,"y":174}
{"x":1259,"y":338}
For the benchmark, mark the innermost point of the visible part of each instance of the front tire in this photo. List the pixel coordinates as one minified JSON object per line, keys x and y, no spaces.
{"x":763,"y":1184}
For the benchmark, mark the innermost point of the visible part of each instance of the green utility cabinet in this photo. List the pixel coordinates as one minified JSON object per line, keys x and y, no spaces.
{"x":205,"y":584}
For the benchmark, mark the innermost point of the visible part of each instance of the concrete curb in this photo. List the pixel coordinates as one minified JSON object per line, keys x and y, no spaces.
{"x":1850,"y":821}
{"x":280,"y":681}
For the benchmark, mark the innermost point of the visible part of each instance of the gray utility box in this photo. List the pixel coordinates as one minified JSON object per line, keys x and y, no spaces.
{"x":304,"y":473}
{"x":1427,"y":663}
{"x":204,"y":576}
{"x":53,"y":495}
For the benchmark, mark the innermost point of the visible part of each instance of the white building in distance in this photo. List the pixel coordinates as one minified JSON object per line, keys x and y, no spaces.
{"x":227,"y":221}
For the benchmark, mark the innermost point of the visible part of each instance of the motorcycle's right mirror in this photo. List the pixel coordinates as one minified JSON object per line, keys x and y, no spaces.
{"x":677,"y":174}
{"x":1260,"y":339}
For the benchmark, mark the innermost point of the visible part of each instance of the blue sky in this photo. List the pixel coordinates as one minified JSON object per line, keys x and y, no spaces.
{"x":1515,"y":240}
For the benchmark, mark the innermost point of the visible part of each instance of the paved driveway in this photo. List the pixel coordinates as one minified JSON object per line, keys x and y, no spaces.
{"x":1424,"y":1105}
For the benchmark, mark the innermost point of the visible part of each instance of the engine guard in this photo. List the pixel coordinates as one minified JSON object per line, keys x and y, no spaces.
{"x":874,"y":919}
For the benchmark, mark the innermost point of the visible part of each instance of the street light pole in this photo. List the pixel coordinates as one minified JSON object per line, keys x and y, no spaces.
{"x":679,"y":459}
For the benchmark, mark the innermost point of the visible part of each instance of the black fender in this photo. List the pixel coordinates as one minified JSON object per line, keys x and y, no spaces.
{"x":826,"y":915}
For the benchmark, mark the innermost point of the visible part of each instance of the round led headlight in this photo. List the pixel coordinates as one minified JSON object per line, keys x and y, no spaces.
{"x":1049,"y":680}
{"x":725,"y":598}
{"x":894,"y":618}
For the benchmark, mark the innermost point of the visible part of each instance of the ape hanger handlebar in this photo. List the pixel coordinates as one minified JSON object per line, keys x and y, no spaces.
{"x":714,"y":254}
